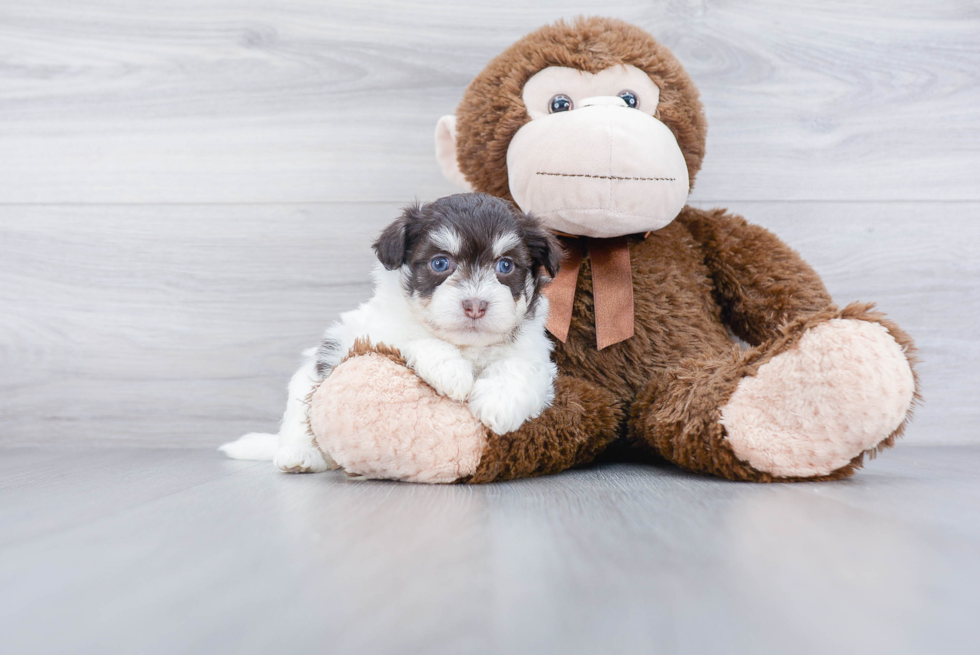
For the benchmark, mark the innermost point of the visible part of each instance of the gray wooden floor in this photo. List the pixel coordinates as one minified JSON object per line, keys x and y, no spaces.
{"x":170,"y":551}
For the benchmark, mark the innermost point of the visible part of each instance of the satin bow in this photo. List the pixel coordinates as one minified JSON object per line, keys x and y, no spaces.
{"x":612,"y":289}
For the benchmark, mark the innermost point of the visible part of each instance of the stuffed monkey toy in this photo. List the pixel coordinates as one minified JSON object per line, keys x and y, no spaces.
{"x":595,"y":128}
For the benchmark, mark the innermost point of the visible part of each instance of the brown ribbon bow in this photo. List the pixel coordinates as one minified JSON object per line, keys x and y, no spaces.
{"x":612,"y":289}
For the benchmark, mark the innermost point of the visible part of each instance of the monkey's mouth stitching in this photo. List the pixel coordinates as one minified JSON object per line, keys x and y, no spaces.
{"x":611,"y":177}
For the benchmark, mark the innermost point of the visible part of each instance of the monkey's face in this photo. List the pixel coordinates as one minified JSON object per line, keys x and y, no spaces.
{"x":595,"y":159}
{"x":592,"y":125}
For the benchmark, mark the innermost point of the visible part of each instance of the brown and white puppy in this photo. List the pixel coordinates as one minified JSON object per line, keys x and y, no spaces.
{"x":458,"y":292}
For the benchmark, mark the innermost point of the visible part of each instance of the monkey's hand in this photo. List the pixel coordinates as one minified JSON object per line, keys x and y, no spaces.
{"x":379,"y":419}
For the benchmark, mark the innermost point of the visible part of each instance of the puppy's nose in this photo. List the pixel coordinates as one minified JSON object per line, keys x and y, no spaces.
{"x":475,"y":308}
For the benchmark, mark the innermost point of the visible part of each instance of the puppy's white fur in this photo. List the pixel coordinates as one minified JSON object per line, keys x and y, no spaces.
{"x":501,"y":366}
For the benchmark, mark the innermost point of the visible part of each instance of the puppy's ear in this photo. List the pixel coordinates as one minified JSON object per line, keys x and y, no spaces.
{"x":543,"y":247}
{"x":396,"y":240}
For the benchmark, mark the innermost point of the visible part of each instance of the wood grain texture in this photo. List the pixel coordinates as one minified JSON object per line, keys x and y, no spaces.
{"x":180,"y":325}
{"x":123,"y":551}
{"x":189,"y":189}
{"x":168,"y":324}
{"x":302,"y":101}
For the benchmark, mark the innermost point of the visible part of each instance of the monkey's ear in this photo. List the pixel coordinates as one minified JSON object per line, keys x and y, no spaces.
{"x":446,"y":152}
{"x":394,"y":242}
{"x":545,"y":250}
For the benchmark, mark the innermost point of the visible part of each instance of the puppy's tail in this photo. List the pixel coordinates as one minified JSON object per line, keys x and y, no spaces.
{"x":254,"y":445}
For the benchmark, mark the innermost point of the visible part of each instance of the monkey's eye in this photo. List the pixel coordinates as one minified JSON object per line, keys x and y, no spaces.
{"x":630,"y":98}
{"x":560,"y":102}
{"x":439,"y":264}
{"x":505,"y":265}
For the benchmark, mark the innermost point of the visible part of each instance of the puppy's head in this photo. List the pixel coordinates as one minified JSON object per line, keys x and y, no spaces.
{"x":472,"y":265}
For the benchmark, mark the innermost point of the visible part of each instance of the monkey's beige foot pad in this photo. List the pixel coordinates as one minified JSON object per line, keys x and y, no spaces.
{"x":845,"y":388}
{"x":377,"y":419}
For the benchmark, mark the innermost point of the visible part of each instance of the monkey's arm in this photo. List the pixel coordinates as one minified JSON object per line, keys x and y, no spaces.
{"x":760,"y":282}
{"x":581,"y":422}
{"x":821,"y":387}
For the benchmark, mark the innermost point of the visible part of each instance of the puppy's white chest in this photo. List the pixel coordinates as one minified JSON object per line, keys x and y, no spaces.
{"x":480,"y":357}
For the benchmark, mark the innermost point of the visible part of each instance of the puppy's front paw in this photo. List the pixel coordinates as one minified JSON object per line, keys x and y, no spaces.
{"x":498,"y":405}
{"x":301,"y":459}
{"x":452,"y":378}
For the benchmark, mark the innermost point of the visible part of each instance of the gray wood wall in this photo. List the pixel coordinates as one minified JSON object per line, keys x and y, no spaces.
{"x":188,"y":188}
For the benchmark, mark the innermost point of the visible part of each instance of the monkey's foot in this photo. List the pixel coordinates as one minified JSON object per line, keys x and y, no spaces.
{"x":377,"y":419}
{"x":844,"y":389}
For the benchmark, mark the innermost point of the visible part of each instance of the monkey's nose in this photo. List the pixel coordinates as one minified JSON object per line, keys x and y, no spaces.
{"x":475,"y":308}
{"x":600,"y":101}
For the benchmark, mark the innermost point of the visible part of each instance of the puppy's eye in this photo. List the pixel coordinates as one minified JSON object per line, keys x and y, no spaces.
{"x":439,"y":264}
{"x":560,"y":102}
{"x":505,"y":265}
{"x":630,"y":99}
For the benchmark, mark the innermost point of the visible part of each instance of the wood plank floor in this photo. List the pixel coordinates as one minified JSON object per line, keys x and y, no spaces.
{"x":182,"y":551}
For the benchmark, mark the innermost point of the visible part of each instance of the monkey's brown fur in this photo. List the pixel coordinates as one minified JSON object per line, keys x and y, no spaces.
{"x":703,"y":275}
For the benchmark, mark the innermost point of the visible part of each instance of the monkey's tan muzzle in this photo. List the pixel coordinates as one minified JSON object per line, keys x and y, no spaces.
{"x":599,"y":170}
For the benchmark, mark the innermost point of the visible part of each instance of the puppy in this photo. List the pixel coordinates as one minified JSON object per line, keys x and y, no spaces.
{"x":458,"y":292}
